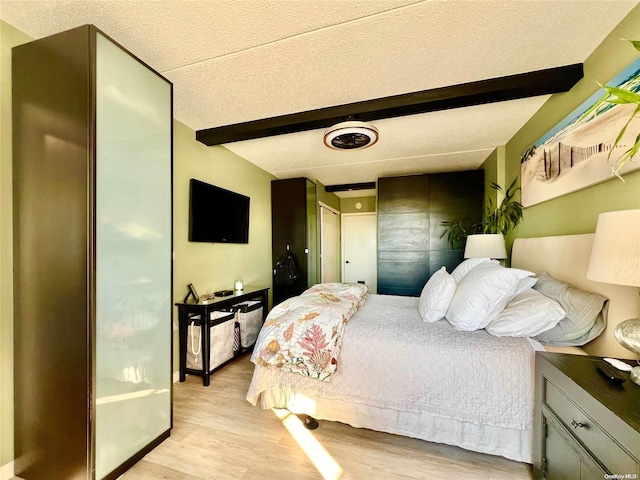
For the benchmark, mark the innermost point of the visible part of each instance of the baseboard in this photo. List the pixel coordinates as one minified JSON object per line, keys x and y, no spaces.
{"x":6,"y":471}
{"x":176,"y":378}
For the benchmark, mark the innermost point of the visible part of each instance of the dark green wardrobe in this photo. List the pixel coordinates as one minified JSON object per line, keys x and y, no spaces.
{"x":92,"y":206}
{"x":410,"y":211}
{"x":294,"y":227}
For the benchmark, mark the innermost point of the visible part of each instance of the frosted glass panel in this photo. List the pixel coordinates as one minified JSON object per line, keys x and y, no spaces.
{"x":312,"y":232}
{"x":133,"y":215}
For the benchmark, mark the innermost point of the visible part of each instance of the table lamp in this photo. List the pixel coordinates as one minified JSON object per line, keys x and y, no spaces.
{"x":615,"y":258}
{"x":485,"y":245}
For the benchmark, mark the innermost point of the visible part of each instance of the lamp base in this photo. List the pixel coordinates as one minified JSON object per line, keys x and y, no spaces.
{"x":627,"y":334}
{"x":635,"y":375}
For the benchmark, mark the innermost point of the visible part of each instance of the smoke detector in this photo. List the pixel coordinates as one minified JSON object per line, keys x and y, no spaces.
{"x":350,"y":135}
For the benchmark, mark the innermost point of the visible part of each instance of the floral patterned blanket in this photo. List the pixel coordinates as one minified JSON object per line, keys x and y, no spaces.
{"x":304,"y":334}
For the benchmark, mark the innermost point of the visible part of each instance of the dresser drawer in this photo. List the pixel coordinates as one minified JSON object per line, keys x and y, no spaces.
{"x":596,"y":440}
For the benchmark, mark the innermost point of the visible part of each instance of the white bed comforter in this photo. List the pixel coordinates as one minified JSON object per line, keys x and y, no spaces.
{"x":392,"y":360}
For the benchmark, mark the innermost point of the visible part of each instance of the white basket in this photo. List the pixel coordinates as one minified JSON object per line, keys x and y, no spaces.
{"x":221,"y":342}
{"x":249,"y":316}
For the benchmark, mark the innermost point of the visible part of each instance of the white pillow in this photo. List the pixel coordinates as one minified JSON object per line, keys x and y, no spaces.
{"x":465,"y":267}
{"x":527,"y":314}
{"x":482,"y":295}
{"x":436,"y":296}
{"x":586,"y":313}
{"x":525,"y":284}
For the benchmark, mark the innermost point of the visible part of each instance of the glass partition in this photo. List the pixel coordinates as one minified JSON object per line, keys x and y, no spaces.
{"x":133,"y":251}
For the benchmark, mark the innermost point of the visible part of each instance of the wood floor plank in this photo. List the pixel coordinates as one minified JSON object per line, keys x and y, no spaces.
{"x":219,"y":435}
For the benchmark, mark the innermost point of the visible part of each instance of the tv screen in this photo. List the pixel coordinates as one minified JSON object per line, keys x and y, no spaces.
{"x":217,"y":215}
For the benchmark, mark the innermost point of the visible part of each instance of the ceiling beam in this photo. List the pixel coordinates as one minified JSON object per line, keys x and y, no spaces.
{"x":345,"y":187}
{"x":522,"y":85}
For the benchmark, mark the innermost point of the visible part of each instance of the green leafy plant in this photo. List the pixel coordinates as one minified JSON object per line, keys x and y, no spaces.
{"x":502,"y":217}
{"x":456,"y":232}
{"x":506,"y":215}
{"x":627,"y":95}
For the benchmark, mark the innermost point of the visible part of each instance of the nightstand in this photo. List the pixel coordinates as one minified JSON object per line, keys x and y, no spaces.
{"x":585,"y":427}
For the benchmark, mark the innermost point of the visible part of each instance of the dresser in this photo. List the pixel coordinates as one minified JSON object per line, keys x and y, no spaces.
{"x":585,"y":427}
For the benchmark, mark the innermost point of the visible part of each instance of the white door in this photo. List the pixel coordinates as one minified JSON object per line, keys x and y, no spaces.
{"x":359,"y":249}
{"x":329,"y":245}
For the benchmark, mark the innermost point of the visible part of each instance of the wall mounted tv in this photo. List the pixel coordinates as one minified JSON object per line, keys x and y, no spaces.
{"x":217,"y":215}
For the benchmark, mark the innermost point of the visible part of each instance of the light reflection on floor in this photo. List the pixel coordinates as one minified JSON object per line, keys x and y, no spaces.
{"x":321,"y":459}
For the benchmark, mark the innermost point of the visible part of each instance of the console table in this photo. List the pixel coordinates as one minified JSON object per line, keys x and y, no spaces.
{"x":204,"y":308}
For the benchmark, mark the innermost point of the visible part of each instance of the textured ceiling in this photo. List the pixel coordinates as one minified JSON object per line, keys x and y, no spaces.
{"x":239,"y":60}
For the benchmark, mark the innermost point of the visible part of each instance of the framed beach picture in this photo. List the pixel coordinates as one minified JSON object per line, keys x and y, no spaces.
{"x":581,"y":150}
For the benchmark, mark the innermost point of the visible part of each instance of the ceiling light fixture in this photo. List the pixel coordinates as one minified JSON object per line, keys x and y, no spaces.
{"x":350,"y":135}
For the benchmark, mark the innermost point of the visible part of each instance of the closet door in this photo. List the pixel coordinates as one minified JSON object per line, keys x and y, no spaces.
{"x":329,"y":245}
{"x":452,"y":196}
{"x":132,"y":257}
{"x":403,"y":234}
{"x":411,"y":210}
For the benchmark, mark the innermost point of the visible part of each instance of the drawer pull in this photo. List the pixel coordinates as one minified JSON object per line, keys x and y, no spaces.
{"x":575,"y":424}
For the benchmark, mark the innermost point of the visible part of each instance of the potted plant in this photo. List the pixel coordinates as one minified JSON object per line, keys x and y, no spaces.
{"x":498,"y":219}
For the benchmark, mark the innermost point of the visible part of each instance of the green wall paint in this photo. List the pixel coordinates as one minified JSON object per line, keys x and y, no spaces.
{"x":328,"y":198}
{"x":578,"y":212}
{"x":214,"y":266}
{"x":9,"y":38}
{"x":348,"y":205}
{"x":490,"y":167}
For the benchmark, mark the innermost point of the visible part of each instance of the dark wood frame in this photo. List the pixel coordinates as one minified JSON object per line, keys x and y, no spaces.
{"x":345,"y":187}
{"x":192,"y":292}
{"x":66,"y":315}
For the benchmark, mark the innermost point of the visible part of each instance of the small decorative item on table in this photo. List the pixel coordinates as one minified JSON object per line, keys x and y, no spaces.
{"x":239,"y":286}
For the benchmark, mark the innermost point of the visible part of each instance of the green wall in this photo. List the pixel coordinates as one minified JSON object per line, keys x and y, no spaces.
{"x":215,"y":266}
{"x":9,"y":38}
{"x":348,"y":205}
{"x":578,"y":212}
{"x":328,"y":198}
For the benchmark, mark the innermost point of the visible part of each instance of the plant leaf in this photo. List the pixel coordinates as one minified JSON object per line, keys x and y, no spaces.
{"x":626,"y":96}
{"x":593,"y":109}
{"x":635,"y":43}
{"x":621,"y":161}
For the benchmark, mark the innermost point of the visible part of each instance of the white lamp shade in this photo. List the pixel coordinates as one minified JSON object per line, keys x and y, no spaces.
{"x":488,"y":245}
{"x":615,"y":256}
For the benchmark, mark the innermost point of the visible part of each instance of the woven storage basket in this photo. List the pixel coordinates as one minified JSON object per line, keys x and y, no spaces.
{"x":221,"y":340}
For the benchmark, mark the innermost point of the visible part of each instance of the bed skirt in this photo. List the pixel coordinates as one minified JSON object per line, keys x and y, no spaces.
{"x":513,"y":444}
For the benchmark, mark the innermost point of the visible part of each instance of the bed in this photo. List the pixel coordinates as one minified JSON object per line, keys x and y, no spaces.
{"x":431,"y":381}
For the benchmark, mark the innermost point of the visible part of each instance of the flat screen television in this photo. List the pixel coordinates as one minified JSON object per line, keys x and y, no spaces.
{"x":217,"y":215}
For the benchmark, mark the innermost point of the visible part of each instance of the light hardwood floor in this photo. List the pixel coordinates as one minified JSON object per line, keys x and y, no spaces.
{"x":217,"y":434}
